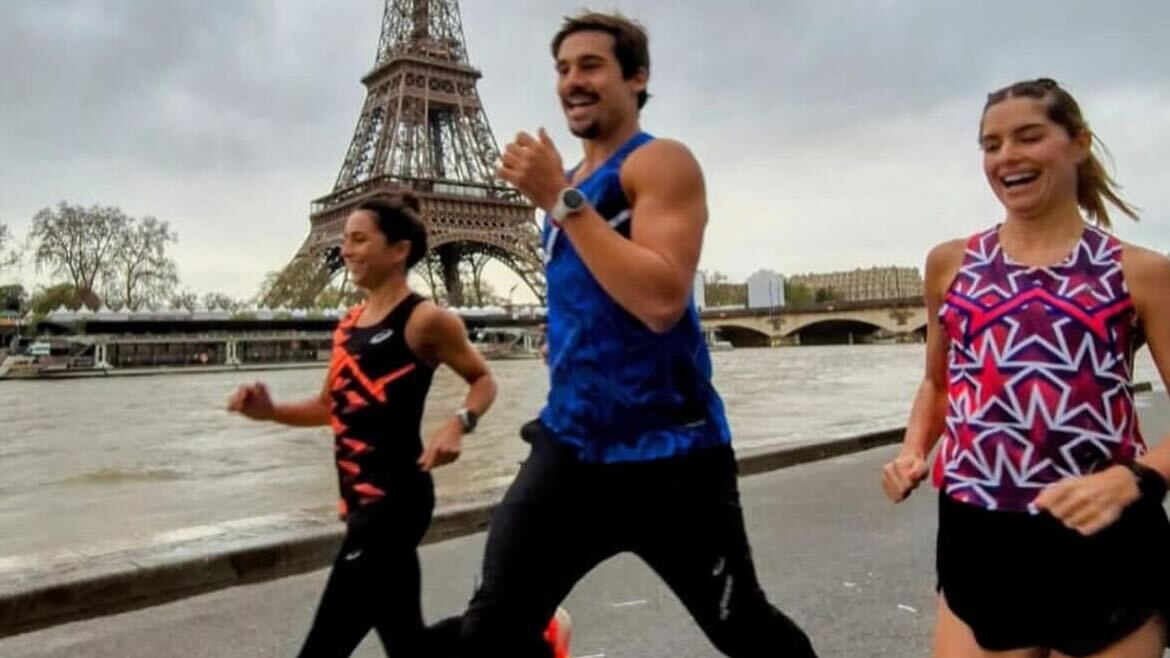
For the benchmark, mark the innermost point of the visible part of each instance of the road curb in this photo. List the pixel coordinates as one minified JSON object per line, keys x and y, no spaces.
{"x":79,"y":587}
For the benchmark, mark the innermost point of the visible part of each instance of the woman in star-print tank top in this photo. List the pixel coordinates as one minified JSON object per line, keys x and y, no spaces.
{"x":1052,"y":539}
{"x":385,"y":352}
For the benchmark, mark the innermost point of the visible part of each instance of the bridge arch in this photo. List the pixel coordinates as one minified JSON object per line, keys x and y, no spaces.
{"x":741,"y":335}
{"x":801,"y":324}
{"x":837,"y":331}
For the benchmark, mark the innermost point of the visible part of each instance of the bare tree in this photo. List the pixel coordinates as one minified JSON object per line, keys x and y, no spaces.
{"x":185,"y":299}
{"x":486,"y":294}
{"x":8,"y":255}
{"x":337,"y":295}
{"x":476,"y":261}
{"x":79,"y":243}
{"x":141,"y":272}
{"x":431,"y":269}
{"x":475,"y":289}
{"x":222,"y":301}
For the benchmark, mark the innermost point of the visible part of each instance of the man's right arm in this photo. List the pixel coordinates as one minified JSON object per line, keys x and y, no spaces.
{"x":652,"y":273}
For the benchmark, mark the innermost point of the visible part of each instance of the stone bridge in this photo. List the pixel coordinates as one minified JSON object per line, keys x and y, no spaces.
{"x":892,"y":319}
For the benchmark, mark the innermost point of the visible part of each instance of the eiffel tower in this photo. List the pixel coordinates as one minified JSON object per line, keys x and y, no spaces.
{"x":423,"y":129}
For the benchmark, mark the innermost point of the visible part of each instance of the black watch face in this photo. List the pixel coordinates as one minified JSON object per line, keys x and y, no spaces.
{"x":574,"y":199}
{"x":469,"y":420}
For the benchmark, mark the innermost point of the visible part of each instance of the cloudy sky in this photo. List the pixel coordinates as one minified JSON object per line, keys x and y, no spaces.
{"x":834,"y":134}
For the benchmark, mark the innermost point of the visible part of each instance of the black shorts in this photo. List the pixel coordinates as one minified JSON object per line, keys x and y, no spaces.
{"x":1021,"y":580}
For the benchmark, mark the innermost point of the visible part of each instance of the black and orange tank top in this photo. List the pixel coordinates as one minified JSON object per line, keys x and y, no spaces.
{"x":378,"y":388}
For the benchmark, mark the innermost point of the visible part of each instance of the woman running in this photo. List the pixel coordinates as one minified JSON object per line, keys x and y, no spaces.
{"x":385,"y":352}
{"x":1052,"y":539}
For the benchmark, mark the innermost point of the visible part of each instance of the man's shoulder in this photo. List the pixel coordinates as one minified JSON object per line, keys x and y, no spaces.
{"x":661,"y":159}
{"x":662,"y":149}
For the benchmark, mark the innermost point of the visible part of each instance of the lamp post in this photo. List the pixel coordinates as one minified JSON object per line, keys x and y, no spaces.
{"x":510,"y":291}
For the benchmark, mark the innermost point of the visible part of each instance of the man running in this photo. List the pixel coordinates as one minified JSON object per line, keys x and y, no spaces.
{"x":632,"y":451}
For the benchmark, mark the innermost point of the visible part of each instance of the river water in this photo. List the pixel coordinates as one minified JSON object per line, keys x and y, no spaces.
{"x":100,"y":460}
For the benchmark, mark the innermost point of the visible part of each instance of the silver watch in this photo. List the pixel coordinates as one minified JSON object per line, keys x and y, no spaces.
{"x":468,"y":419}
{"x":570,"y":201}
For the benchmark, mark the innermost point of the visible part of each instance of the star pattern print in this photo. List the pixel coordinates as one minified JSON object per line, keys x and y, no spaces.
{"x":1039,"y":370}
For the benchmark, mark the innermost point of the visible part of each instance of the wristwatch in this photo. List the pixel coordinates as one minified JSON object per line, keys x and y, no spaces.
{"x":1150,"y":482}
{"x":468,"y":419}
{"x":570,"y":201}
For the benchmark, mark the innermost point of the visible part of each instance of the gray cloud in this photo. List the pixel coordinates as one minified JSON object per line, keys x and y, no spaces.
{"x":179,"y":85}
{"x":833,"y":134}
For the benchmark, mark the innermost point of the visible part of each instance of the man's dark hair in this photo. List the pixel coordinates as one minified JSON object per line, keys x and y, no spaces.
{"x":631,"y":45}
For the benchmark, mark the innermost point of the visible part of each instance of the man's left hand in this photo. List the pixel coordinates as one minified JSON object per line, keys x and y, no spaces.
{"x":534,"y":166}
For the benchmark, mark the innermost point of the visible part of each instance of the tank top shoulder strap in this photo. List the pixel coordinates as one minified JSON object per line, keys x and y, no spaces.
{"x":399,"y":318}
{"x":1102,"y":242}
{"x":345,"y":325}
{"x":979,"y":251}
{"x":351,"y":316}
{"x":615,"y":159}
{"x":401,"y":314}
{"x":983,"y":245}
{"x":631,"y":144}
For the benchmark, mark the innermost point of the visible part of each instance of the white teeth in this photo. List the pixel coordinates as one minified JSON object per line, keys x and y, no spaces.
{"x":1014,"y":179}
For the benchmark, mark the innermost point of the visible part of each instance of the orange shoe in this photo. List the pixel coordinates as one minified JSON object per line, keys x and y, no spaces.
{"x":558,"y":633}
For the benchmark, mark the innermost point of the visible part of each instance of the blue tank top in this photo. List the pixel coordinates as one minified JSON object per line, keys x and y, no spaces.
{"x":620,"y":392}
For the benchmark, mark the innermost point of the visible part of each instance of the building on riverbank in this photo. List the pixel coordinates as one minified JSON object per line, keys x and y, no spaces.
{"x":84,"y":343}
{"x":865,"y":284}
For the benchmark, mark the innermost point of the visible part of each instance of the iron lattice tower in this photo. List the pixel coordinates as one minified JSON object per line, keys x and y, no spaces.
{"x":423,"y":128}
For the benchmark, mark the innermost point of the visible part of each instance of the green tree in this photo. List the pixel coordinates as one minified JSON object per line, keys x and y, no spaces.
{"x":47,"y":300}
{"x":824,"y":295}
{"x":13,"y":299}
{"x":797,"y":294}
{"x":720,"y":293}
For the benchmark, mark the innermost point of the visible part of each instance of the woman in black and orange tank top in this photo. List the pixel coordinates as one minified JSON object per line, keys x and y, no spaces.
{"x":385,"y":352}
{"x":1052,"y":539}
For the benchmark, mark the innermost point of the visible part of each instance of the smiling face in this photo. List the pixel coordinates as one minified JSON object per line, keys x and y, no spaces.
{"x":1030,"y":161}
{"x":368,"y":256}
{"x":595,"y":95}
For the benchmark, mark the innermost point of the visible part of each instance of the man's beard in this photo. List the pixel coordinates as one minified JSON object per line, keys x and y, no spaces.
{"x":591,"y":131}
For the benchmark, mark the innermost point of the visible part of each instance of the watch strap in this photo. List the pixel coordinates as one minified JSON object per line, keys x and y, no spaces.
{"x":1151,"y":483}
